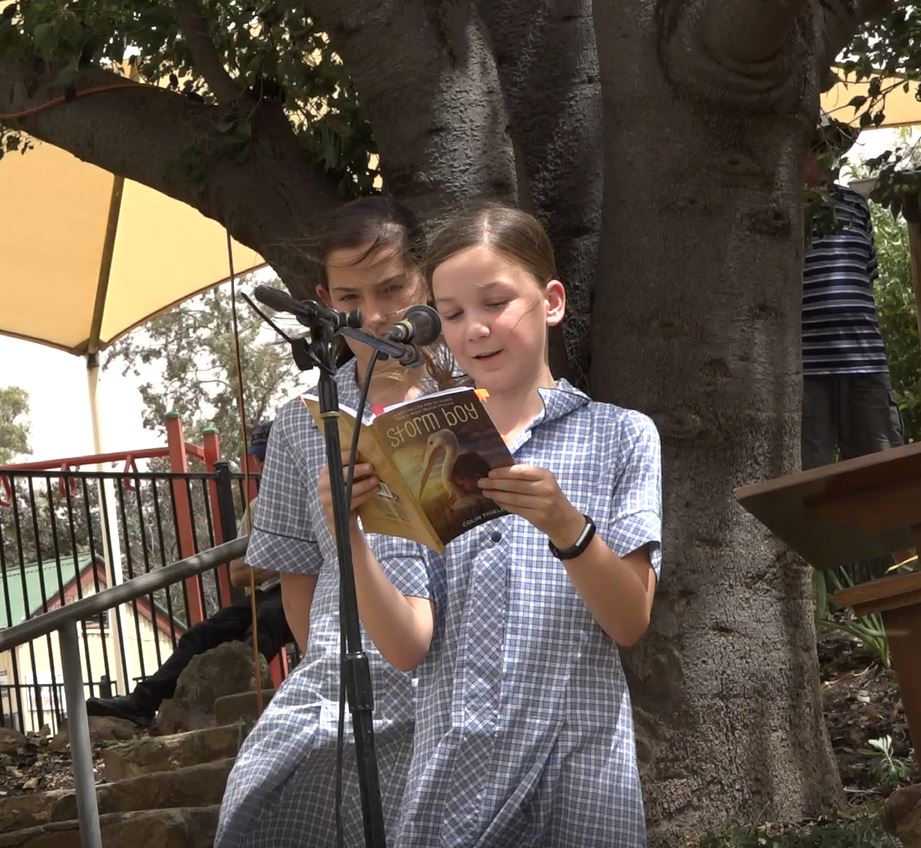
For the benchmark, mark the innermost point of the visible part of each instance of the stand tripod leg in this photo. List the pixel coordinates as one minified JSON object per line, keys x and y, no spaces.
{"x":355,"y":668}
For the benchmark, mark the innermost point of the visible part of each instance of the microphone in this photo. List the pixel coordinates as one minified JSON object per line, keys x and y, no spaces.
{"x":421,"y":326}
{"x":307,"y":312}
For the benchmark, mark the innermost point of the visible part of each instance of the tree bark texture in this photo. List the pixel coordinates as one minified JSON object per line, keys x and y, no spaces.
{"x":699,"y":327}
{"x":693,"y":240}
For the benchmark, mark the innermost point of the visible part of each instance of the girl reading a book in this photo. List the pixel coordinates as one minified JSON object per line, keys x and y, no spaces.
{"x":281,"y":791}
{"x":524,"y":732}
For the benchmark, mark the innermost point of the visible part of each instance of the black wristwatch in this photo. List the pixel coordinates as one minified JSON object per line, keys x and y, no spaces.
{"x":579,"y":546}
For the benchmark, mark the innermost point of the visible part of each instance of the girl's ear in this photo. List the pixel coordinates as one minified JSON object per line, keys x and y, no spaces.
{"x":555,"y":301}
{"x":323,"y":294}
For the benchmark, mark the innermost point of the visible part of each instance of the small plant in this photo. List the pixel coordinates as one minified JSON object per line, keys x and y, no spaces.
{"x":868,"y":630}
{"x":887,"y":769}
{"x":865,"y":831}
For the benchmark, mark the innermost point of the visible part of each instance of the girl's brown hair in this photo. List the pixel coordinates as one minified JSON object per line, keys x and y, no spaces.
{"x":513,"y":234}
{"x":380,"y":222}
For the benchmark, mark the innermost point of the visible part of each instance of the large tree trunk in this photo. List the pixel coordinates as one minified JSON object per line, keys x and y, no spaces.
{"x":699,"y":327}
{"x":695,"y":318}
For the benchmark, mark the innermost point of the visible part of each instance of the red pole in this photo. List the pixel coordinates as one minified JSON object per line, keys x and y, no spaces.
{"x":185,"y":534}
{"x":211,"y":443}
{"x":250,"y":465}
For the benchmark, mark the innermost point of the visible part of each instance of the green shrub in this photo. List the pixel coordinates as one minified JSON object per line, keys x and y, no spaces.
{"x":863,"y":832}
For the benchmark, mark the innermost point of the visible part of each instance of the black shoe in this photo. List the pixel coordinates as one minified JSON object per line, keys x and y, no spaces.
{"x":122,"y":706}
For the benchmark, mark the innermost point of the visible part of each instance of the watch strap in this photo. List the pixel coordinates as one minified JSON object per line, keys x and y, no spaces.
{"x":578,"y":547}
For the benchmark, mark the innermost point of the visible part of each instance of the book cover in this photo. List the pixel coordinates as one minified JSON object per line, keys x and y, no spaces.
{"x":429,"y":453}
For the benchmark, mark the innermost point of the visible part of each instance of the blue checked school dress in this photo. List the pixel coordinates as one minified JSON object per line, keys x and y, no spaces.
{"x":524,"y":731}
{"x":281,"y":791}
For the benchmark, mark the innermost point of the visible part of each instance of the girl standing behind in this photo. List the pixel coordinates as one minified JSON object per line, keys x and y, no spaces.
{"x":281,"y":791}
{"x":524,"y":732}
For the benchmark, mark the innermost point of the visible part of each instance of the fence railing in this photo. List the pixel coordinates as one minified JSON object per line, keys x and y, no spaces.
{"x":63,"y":622}
{"x":68,"y":532}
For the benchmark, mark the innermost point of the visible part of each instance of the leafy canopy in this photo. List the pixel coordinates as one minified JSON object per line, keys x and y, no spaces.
{"x":186,"y":359}
{"x":271,"y":51}
{"x":14,"y":435}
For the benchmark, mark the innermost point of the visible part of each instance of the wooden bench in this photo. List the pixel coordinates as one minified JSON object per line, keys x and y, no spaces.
{"x":854,"y":510}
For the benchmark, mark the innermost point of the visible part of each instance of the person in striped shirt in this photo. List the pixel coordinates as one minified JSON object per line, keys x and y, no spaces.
{"x":848,"y":406}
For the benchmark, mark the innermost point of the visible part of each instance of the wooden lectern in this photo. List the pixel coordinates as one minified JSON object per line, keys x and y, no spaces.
{"x":854,"y":510}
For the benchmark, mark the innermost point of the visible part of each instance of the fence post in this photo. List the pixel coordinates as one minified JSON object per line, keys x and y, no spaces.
{"x":78,"y":730}
{"x":185,"y":534}
{"x":226,"y":518}
{"x":223,"y":532}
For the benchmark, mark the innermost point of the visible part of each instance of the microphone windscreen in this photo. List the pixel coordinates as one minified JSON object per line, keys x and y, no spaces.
{"x":426,"y":324}
{"x":274,"y":298}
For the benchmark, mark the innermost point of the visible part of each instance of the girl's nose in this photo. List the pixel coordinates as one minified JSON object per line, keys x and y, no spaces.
{"x":477,"y":330}
{"x":374,"y":317}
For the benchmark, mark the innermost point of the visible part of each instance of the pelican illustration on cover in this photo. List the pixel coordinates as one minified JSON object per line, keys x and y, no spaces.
{"x":429,"y":454}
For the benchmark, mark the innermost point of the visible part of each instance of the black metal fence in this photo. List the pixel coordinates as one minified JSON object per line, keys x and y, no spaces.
{"x":64,"y":535}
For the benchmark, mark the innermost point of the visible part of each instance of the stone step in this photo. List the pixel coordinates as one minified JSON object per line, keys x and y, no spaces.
{"x":167,"y":753}
{"x":240,"y":707}
{"x":190,"y":827}
{"x":194,"y":786}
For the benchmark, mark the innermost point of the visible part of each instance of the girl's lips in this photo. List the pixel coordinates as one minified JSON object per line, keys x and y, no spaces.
{"x":484,"y":356}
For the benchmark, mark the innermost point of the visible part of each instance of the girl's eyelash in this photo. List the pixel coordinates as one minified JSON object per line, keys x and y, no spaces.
{"x":451,"y":317}
{"x":497,"y":303}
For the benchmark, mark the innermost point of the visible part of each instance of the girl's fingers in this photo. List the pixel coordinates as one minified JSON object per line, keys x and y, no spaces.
{"x":365,"y":484}
{"x":517,"y":472}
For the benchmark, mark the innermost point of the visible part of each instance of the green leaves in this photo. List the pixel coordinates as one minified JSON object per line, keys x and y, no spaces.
{"x":14,"y":435}
{"x":864,"y":831}
{"x":187,"y":359}
{"x":895,"y":308}
{"x":888,"y":770}
{"x":273,"y":51}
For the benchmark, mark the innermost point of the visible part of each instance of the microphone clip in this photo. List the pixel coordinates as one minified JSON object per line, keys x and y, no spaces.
{"x":406,"y":354}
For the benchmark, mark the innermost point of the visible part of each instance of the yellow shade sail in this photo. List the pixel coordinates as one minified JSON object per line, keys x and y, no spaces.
{"x":81,"y":264}
{"x":901,"y":107}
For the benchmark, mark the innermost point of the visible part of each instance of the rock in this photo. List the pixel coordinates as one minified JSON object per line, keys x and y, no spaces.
{"x":21,"y":811}
{"x":102,"y":729}
{"x":31,"y":784}
{"x":12,"y":741}
{"x":195,"y":786}
{"x":902,"y":815}
{"x":166,"y":753}
{"x":224,"y":670}
{"x":173,"y":828}
{"x":59,"y":742}
{"x":240,"y":707}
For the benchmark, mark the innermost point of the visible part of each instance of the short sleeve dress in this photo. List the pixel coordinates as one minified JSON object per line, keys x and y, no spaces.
{"x":281,"y":791}
{"x":524,"y":729}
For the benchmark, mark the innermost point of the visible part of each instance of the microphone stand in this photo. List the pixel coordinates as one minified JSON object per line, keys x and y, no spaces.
{"x":406,"y":354}
{"x":355,"y":669}
{"x":320,"y":352}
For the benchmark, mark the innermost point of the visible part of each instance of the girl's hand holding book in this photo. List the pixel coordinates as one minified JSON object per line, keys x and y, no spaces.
{"x":364,"y":487}
{"x":534,"y":494}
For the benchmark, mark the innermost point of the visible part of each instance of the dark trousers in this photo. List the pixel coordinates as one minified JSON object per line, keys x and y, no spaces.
{"x":853,"y":413}
{"x":230,"y":624}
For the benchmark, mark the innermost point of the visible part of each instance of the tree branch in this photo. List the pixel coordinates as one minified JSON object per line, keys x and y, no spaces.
{"x":559,"y":173}
{"x":427,"y":76}
{"x":842,"y":17}
{"x":194,"y":28}
{"x":749,"y":30}
{"x":270,"y":198}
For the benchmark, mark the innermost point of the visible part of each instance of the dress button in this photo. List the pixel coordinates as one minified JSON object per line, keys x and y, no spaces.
{"x":496,"y":536}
